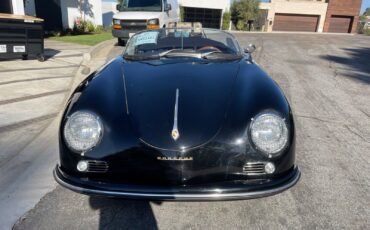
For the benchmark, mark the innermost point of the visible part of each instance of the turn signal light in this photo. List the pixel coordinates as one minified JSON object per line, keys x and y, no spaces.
{"x":117,"y":27}
{"x":152,"y":26}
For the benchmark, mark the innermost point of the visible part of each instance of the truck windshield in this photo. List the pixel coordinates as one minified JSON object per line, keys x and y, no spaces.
{"x":141,"y":5}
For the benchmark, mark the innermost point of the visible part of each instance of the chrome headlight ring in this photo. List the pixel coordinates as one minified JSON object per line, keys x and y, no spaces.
{"x":82,"y":131}
{"x":269,"y":133}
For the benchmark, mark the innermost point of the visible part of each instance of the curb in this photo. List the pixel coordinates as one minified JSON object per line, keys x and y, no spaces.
{"x":95,"y":49}
{"x":84,"y":70}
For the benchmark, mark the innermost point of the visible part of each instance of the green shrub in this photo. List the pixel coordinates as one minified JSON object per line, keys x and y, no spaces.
{"x":240,"y":25}
{"x":243,"y":11}
{"x":99,"y":29}
{"x":367,"y":32}
{"x":226,"y":18}
{"x":79,"y":26}
{"x":182,"y":13}
{"x":90,"y":27}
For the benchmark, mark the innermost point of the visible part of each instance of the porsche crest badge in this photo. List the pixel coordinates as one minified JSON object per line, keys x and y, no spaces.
{"x":175,"y":134}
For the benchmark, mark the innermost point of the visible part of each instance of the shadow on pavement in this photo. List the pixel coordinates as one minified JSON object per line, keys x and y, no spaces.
{"x":124,"y":214}
{"x":49,"y":53}
{"x":358,"y":60}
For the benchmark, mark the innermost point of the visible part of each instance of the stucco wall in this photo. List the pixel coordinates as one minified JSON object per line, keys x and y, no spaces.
{"x":307,"y":7}
{"x":92,"y":11}
{"x":18,"y":7}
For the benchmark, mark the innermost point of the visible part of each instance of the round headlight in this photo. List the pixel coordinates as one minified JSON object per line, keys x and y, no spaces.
{"x":269,"y":133}
{"x":82,"y":131}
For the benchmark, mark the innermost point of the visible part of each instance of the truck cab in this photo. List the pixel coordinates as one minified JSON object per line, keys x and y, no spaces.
{"x":137,"y":15}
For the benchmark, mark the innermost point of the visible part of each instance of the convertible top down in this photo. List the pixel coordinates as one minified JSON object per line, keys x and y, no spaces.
{"x":182,"y":114}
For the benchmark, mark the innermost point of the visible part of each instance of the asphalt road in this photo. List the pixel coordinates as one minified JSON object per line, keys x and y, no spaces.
{"x":327,"y":80}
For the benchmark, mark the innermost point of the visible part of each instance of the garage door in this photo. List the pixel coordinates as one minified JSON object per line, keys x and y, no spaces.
{"x":295,"y":22}
{"x":340,"y":24}
{"x":5,"y":6}
{"x":210,"y":18}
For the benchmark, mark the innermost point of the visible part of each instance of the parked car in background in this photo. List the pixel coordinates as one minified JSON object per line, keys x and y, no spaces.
{"x":137,"y":15}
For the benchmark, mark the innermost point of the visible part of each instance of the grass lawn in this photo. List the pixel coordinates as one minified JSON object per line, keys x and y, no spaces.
{"x":85,"y":39}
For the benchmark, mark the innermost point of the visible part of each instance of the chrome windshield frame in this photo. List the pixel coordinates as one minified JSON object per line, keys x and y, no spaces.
{"x":239,"y":50}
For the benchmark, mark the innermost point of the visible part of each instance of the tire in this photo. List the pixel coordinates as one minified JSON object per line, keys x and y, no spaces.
{"x":41,"y":58}
{"x":24,"y":57}
{"x":121,"y":42}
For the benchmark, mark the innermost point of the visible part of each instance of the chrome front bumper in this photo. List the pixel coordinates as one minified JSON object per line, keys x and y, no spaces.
{"x":233,"y":191}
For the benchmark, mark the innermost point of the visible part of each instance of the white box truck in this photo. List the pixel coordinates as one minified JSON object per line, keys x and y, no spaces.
{"x":137,"y":15}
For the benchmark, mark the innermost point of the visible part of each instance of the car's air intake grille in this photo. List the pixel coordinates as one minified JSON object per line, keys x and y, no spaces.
{"x":97,"y":166}
{"x":254,"y":168}
{"x":134,"y":24}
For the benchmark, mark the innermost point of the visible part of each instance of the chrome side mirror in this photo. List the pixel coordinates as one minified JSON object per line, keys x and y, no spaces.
{"x":250,"y":49}
{"x":168,"y":7}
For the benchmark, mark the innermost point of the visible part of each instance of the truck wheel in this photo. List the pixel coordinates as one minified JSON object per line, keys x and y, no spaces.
{"x":121,"y":42}
{"x":41,"y":58}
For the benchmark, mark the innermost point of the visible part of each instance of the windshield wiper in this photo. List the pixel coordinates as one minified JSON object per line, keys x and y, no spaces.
{"x":179,"y":53}
{"x":205,"y":55}
{"x":217,"y":55}
{"x":140,"y":57}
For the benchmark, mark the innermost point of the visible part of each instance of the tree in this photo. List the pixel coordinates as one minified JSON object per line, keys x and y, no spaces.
{"x":364,"y":16}
{"x":226,"y":18}
{"x":367,"y":12}
{"x":182,"y":13}
{"x":243,"y":12}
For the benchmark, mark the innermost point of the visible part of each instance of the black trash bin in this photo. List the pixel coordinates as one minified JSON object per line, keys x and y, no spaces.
{"x":21,"y":36}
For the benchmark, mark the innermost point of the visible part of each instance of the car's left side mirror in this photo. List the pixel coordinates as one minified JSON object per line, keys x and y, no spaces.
{"x":168,"y":7}
{"x":250,"y":49}
{"x":118,"y":7}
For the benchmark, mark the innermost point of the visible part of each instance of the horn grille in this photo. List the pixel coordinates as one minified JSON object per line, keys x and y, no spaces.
{"x":97,"y":166}
{"x":254,"y":168}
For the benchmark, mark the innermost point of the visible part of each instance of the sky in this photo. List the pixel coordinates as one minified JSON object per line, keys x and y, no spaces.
{"x":365,"y":3}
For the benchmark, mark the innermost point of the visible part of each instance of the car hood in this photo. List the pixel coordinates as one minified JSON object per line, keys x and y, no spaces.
{"x":204,"y":92}
{"x":136,"y":15}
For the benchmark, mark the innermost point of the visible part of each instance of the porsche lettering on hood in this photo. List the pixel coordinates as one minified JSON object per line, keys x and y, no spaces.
{"x":150,"y":95}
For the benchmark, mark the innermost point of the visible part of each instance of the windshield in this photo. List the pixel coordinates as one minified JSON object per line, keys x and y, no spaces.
{"x":172,"y":43}
{"x":141,"y":5}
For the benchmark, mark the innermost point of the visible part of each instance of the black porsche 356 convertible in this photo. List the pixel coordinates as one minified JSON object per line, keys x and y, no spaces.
{"x":183,"y":114}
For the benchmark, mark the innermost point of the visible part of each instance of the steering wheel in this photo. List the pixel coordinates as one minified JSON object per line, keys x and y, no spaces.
{"x":209,"y":48}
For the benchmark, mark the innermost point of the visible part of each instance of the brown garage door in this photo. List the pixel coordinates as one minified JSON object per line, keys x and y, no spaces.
{"x":295,"y":22}
{"x":340,"y":24}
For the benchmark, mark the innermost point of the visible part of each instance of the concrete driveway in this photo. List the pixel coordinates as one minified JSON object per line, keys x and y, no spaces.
{"x":32,"y":94}
{"x":327,"y":80}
